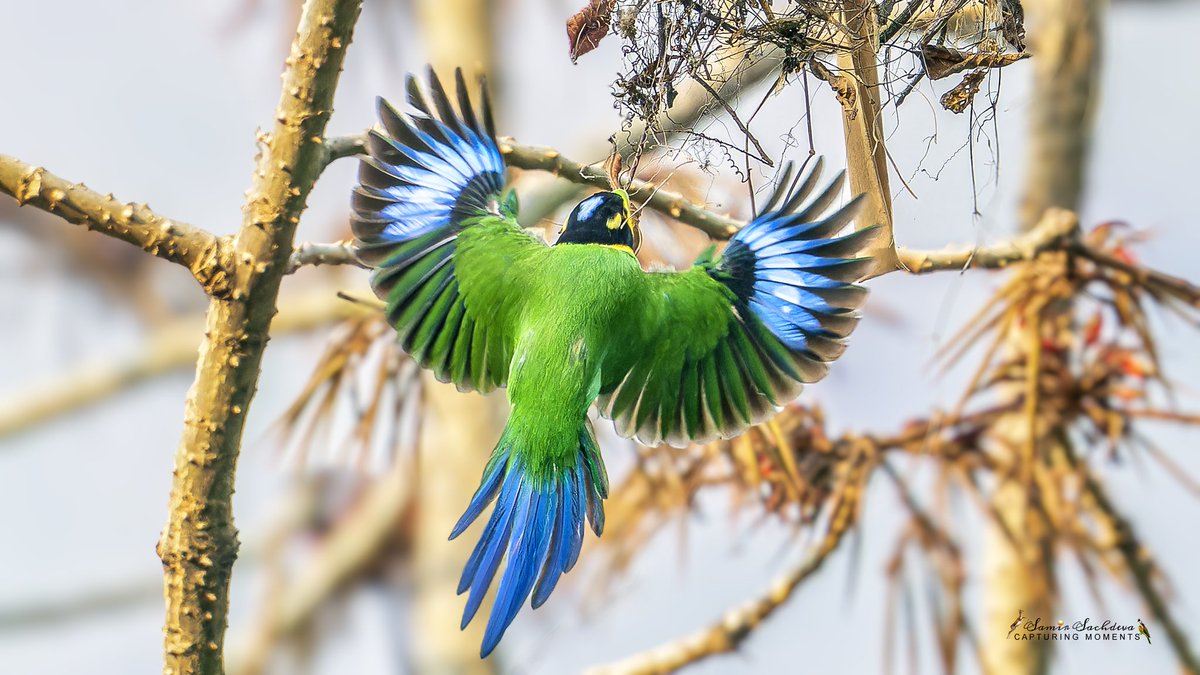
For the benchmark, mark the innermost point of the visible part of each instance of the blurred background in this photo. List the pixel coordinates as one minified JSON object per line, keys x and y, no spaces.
{"x":160,"y":101}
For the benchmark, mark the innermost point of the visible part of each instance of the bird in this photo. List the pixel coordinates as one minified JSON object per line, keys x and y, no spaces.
{"x":1142,"y":629}
{"x":1016,"y":622}
{"x":680,"y":357}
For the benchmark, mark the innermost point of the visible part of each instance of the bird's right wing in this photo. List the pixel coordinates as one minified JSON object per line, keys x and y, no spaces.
{"x":451,"y":262}
{"x":726,"y":343}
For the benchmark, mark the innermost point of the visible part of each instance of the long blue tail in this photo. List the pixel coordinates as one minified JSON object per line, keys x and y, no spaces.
{"x":542,"y":496}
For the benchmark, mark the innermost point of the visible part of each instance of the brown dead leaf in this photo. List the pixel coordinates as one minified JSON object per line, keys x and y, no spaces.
{"x":957,"y":99}
{"x":843,"y":86}
{"x":943,"y":62}
{"x":588,"y":26}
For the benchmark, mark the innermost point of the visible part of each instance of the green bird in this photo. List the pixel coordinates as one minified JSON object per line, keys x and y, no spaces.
{"x":1142,"y":629}
{"x":669,"y":356}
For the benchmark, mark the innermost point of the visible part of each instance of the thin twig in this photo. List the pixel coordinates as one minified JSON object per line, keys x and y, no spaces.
{"x":735,"y":626}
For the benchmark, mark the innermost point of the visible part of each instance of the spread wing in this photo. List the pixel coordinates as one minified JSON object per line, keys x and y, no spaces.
{"x":727,"y":343}
{"x":451,"y":261}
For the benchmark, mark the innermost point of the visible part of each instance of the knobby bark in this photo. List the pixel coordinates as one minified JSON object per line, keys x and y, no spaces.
{"x":204,"y":255}
{"x":1018,"y":568}
{"x":199,"y":544}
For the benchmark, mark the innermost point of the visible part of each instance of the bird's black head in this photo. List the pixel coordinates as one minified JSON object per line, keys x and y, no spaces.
{"x":605,"y":218}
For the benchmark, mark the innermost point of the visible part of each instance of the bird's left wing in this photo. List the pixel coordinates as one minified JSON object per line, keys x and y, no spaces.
{"x":726,"y":343}
{"x":452,"y":262}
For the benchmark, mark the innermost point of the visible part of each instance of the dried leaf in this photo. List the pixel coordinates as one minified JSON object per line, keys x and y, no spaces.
{"x":957,"y":99}
{"x":842,"y":86}
{"x":588,"y":26}
{"x":943,"y":62}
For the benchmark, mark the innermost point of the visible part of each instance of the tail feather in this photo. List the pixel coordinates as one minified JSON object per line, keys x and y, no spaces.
{"x":536,"y":525}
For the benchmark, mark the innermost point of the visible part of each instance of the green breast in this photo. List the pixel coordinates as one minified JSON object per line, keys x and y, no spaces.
{"x":584,"y":297}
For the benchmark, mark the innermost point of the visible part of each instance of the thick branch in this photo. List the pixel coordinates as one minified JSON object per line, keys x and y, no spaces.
{"x":199,"y":544}
{"x":1056,"y":231}
{"x":202,"y":253}
{"x":862,"y":122}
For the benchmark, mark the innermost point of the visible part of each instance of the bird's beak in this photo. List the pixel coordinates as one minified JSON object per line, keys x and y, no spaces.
{"x":630,"y":220}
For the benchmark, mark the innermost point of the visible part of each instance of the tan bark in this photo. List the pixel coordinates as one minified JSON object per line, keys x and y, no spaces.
{"x":169,"y":348}
{"x":1065,"y":44}
{"x":203,"y":254}
{"x":862,"y":123}
{"x":199,"y":544}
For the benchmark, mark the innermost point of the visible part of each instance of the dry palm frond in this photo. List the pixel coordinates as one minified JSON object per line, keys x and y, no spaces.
{"x":1081,"y":379}
{"x":352,"y":411}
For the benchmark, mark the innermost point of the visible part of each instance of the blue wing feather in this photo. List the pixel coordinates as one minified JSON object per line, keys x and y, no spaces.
{"x":792,"y":274}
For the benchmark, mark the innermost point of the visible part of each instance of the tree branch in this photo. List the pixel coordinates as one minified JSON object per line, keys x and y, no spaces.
{"x":1180,"y":289}
{"x":340,"y":147}
{"x":640,"y":191}
{"x":1141,"y":566}
{"x":308,"y":253}
{"x":1056,"y":231}
{"x":168,"y":348}
{"x":199,"y":543}
{"x":737,"y":624}
{"x":349,"y":549}
{"x":862,"y":123}
{"x":203,"y":254}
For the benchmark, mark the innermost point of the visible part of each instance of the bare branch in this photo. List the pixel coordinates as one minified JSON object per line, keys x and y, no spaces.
{"x":199,"y":543}
{"x":1180,"y":289}
{"x":862,"y":122}
{"x":1141,"y":566}
{"x":308,"y":253}
{"x":737,"y":624}
{"x":203,"y":254}
{"x":339,"y":147}
{"x":347,"y":552}
{"x":1056,"y":231}
{"x":643,"y":192}
{"x":169,"y":348}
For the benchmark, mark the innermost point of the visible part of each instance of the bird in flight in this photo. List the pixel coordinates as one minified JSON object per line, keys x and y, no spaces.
{"x":1016,"y":622}
{"x":668,"y":356}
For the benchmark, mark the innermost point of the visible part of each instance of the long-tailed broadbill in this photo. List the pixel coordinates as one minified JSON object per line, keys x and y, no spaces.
{"x":670,"y":356}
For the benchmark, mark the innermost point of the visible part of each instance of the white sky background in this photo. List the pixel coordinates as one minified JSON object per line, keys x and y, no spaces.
{"x":155,"y":102}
